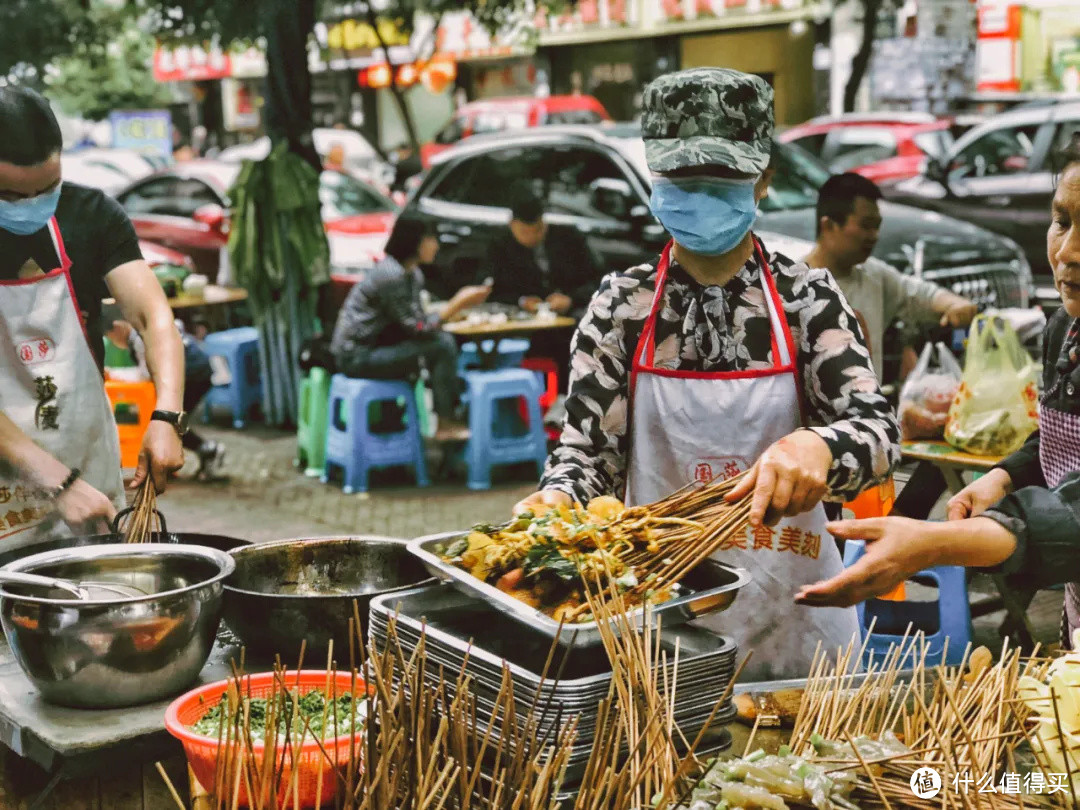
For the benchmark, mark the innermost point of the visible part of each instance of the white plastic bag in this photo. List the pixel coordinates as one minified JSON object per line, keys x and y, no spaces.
{"x":928,"y":392}
{"x":996,"y":406}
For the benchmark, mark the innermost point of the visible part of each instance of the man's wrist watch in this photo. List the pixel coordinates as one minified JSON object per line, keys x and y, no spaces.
{"x":178,"y":419}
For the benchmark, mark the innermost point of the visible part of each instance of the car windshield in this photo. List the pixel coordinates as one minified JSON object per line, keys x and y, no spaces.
{"x":795,"y":185}
{"x":934,"y":143}
{"x":344,"y":196}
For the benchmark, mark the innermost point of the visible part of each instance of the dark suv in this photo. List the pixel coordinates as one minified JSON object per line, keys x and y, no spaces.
{"x":595,"y":180}
{"x":1000,"y":175}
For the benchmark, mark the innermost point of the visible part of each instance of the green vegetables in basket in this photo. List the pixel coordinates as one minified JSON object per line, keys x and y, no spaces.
{"x":343,"y":714}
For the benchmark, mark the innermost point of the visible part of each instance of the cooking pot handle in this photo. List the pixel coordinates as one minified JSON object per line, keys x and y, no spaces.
{"x":114,"y":527}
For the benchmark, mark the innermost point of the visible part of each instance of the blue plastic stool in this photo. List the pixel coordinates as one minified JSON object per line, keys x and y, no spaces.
{"x":350,"y":444}
{"x":240,"y":348}
{"x":951,"y":614}
{"x":508,"y":354}
{"x":497,"y":434}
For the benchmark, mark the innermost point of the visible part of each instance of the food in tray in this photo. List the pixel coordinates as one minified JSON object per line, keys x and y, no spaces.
{"x":761,"y":781}
{"x":323,"y":719}
{"x":547,"y":558}
{"x":770,"y":709}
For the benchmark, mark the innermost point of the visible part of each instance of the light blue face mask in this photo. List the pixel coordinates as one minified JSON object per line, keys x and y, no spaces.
{"x":709,"y":216}
{"x":24,"y":217}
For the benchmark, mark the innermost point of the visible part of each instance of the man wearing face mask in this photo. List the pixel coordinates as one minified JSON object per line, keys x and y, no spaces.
{"x":722,"y":357}
{"x":63,"y":248}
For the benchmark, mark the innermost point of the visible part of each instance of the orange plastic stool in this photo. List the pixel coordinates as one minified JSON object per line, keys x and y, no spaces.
{"x":132,"y":405}
{"x":878,"y":502}
{"x":550,"y":370}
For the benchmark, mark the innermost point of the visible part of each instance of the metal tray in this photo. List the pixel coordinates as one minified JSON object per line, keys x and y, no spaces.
{"x":710,"y":588}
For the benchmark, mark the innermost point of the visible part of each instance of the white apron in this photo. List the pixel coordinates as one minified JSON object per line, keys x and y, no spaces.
{"x":50,"y":387}
{"x":701,"y":425}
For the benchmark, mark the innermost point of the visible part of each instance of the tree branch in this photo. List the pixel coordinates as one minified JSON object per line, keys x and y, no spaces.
{"x":861,"y":61}
{"x":395,"y":90}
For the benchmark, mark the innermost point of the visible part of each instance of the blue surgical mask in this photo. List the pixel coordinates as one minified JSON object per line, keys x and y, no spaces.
{"x":709,"y":216}
{"x":24,"y":217}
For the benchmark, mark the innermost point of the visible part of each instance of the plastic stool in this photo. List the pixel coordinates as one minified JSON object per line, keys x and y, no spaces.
{"x":353,"y":447}
{"x":311,"y":420}
{"x":240,"y":348}
{"x":132,"y":404}
{"x":548,"y":370}
{"x":509,"y":352}
{"x":951,"y":614}
{"x":878,"y":502}
{"x":497,"y":434}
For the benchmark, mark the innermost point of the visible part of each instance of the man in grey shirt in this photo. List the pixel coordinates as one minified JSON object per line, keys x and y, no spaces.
{"x":848,"y":221}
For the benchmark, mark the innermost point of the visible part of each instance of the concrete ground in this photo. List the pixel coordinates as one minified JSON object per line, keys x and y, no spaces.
{"x":264,"y":497}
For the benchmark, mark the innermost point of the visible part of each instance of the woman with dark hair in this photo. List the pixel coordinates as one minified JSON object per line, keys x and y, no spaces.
{"x":384,"y":333}
{"x":1022,"y":519}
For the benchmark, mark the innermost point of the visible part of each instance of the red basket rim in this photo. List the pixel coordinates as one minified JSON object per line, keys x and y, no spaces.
{"x":338,"y":677}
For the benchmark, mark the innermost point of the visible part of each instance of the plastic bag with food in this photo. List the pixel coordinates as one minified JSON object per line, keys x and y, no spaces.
{"x":997,"y":405}
{"x":928,"y":393}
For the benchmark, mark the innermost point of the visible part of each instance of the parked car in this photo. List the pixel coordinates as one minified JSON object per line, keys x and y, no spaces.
{"x":499,"y":114}
{"x":595,"y":180}
{"x":130,"y":163}
{"x":884,"y":147}
{"x":186,"y":208}
{"x":76,"y":170}
{"x":1000,"y":175}
{"x":361,"y":159}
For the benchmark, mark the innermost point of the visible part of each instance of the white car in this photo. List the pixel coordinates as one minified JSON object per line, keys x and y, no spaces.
{"x":76,"y":170}
{"x":132,"y":164}
{"x":361,"y":158}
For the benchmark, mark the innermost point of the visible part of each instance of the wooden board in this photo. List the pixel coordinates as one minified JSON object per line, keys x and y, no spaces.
{"x":507,"y":328}
{"x":942,"y":453}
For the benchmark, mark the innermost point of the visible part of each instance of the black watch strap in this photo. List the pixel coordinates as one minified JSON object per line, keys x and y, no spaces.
{"x":177,"y":419}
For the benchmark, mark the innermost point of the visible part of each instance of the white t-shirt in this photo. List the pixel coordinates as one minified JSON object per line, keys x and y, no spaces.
{"x":879,"y":293}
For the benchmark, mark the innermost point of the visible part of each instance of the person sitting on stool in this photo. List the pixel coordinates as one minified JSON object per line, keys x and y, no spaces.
{"x":383,"y":332}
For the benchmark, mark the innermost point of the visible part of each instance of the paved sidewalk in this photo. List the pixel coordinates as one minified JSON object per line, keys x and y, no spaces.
{"x":264,"y":497}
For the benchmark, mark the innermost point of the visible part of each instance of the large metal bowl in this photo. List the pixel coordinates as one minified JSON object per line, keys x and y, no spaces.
{"x":273,"y":600}
{"x":107,"y":653}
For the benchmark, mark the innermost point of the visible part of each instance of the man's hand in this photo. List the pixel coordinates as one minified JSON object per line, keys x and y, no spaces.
{"x":980,"y":495}
{"x":896,"y":548}
{"x":162,"y":454}
{"x":85,"y":510}
{"x":559,"y":303}
{"x":960,"y":313}
{"x":544,"y":500}
{"x":790,"y":478}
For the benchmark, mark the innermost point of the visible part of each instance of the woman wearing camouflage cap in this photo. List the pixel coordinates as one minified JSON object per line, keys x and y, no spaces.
{"x":721,"y":357}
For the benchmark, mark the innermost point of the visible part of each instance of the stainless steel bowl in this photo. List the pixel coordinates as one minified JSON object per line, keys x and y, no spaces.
{"x":107,"y":653}
{"x":277,"y":597}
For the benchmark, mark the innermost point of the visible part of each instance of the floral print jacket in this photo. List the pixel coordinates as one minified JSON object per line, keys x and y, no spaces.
{"x":722,"y":329}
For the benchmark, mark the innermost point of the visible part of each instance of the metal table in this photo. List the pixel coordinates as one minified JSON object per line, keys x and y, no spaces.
{"x":69,"y":743}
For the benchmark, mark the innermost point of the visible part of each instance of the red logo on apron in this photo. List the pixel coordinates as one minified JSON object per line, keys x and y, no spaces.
{"x":37,"y":351}
{"x":706,"y":470}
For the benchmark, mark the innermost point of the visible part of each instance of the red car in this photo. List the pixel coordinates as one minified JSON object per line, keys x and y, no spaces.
{"x":497,"y":114}
{"x":885,"y":147}
{"x":185,"y":208}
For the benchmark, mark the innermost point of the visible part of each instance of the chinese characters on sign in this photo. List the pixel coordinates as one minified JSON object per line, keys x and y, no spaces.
{"x":1012,"y":784}
{"x":36,"y":351}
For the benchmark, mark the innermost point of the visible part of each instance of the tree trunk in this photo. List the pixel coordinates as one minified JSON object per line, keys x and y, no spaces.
{"x":866,"y":50}
{"x":395,"y":91}
{"x":287,"y":24}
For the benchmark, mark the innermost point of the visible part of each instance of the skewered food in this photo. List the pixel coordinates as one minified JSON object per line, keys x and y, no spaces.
{"x":549,"y":557}
{"x":546,"y":559}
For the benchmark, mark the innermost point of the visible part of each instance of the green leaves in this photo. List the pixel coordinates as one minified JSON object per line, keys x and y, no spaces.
{"x":545,"y":557}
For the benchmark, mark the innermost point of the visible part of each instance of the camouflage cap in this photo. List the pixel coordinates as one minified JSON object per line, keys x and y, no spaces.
{"x":708,"y":117}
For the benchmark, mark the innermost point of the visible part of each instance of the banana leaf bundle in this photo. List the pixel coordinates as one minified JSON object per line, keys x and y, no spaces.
{"x":278,"y":249}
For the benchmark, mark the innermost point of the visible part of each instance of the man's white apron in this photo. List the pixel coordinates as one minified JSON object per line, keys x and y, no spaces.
{"x":50,"y":387}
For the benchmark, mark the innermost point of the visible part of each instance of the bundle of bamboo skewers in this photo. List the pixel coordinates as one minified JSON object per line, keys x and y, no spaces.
{"x":143,"y":520}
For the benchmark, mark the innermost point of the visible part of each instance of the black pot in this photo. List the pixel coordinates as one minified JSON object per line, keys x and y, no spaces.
{"x":276,"y":599}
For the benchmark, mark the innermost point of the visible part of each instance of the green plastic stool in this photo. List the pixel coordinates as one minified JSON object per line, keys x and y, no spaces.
{"x":312,"y":422}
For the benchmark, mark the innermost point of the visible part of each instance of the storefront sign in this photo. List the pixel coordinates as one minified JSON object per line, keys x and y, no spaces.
{"x":585,"y":15}
{"x":462,"y":38}
{"x":192,"y":63}
{"x":147,"y":131}
{"x":679,"y":10}
{"x":353,"y":44}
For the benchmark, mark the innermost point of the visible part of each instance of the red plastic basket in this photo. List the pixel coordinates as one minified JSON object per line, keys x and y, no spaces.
{"x":202,"y":751}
